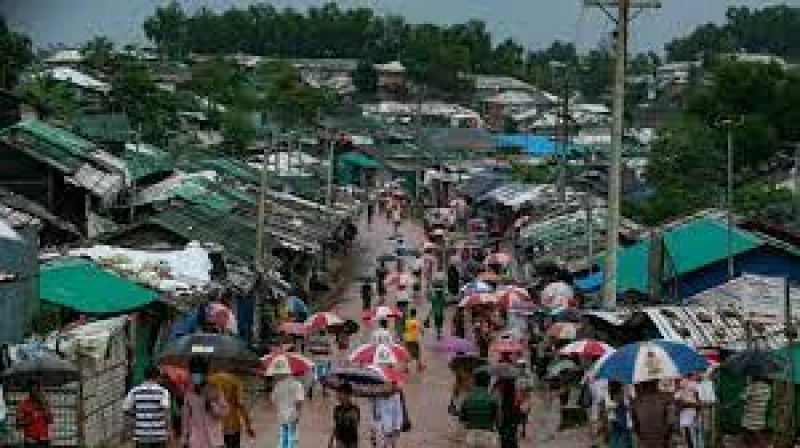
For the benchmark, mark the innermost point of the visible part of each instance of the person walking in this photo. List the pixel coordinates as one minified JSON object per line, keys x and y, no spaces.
{"x":288,"y":396}
{"x":204,"y":407}
{"x":459,"y":323}
{"x":148,"y":404}
{"x":651,"y":411}
{"x":370,"y":212}
{"x":411,"y":337}
{"x":509,"y":413}
{"x":397,"y":220}
{"x":388,"y":419}
{"x":479,"y":414}
{"x":346,"y":420}
{"x":437,"y":298}
{"x":687,"y":398}
{"x":34,"y":418}
{"x":382,"y":334}
{"x":366,"y":296}
{"x":238,"y":419}
{"x":618,"y":419}
{"x":756,"y":398}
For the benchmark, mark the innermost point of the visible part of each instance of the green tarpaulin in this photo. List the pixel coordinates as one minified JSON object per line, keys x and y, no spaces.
{"x":359,"y":160}
{"x":85,"y":287}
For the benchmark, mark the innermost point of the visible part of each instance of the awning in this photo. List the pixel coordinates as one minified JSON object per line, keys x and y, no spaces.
{"x":515,"y":194}
{"x":85,"y":287}
{"x":359,"y":160}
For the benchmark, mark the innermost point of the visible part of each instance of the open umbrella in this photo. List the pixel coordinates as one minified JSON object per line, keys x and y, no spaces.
{"x":293,"y":328}
{"x":507,"y":345}
{"x":502,"y":370}
{"x":651,"y":360}
{"x":365,"y":382}
{"x":383,"y":312}
{"x":586,"y":348}
{"x":476,"y":286}
{"x":219,"y":349}
{"x":563,"y":330}
{"x":755,"y":362}
{"x":285,"y":364}
{"x":466,"y":362}
{"x":380,"y":354}
{"x":389,"y":374}
{"x":45,"y":367}
{"x":502,"y":258}
{"x":322,"y":320}
{"x":477,"y":299}
{"x":559,"y":367}
{"x":452,"y":344}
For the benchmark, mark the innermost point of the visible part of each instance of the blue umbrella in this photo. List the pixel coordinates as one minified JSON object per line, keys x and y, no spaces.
{"x":296,"y":305}
{"x":651,"y":360}
{"x":476,"y":286}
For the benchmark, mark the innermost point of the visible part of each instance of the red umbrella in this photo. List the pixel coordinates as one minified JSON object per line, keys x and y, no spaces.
{"x":383,"y":312}
{"x":380,"y":354}
{"x":179,"y":376}
{"x":507,"y":345}
{"x":478,"y":299}
{"x":513,"y":297}
{"x":389,"y":373}
{"x":322,"y":320}
{"x":285,"y":364}
{"x":586,"y":348}
{"x":294,"y":328}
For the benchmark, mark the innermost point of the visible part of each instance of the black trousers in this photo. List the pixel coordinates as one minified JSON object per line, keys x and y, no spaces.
{"x":233,"y":440}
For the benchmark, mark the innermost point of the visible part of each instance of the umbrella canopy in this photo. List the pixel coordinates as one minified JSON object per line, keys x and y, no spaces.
{"x":383,"y":312}
{"x":389,"y":374}
{"x":559,"y":367}
{"x":586,"y":348}
{"x":380,"y":354}
{"x":563,"y":330}
{"x":293,"y":328}
{"x":502,"y":258}
{"x":466,"y":361}
{"x":218,"y":349}
{"x":322,"y":320}
{"x":297,"y":305}
{"x":502,"y":370}
{"x":46,"y":368}
{"x":279,"y":363}
{"x":558,"y":294}
{"x":511,"y":298}
{"x":365,"y":382}
{"x":454,"y":345}
{"x":476,"y":286}
{"x":347,"y":327}
{"x":651,"y":360}
{"x":478,"y":299}
{"x":507,"y":345}
{"x":755,"y":363}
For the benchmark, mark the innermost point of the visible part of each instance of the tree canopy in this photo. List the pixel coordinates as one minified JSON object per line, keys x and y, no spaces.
{"x":15,"y":54}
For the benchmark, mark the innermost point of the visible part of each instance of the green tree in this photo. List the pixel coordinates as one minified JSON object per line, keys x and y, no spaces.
{"x":238,"y":130}
{"x":149,"y":108}
{"x":98,"y":52}
{"x":287,"y":98}
{"x":15,"y":55}
{"x":54,"y":99}
{"x":365,"y":78}
{"x":167,"y":29}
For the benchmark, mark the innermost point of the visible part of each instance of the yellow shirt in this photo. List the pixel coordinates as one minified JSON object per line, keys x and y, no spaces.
{"x":411,"y":331}
{"x":232,"y":389}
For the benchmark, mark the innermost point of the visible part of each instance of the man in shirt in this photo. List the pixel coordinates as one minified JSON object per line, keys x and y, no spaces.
{"x":479,"y":414}
{"x":288,"y":396}
{"x":238,"y":417}
{"x":382,"y":335}
{"x":387,"y":414}
{"x":411,"y":337}
{"x":149,"y":406}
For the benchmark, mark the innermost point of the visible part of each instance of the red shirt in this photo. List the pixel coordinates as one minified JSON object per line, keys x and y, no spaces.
{"x":34,"y":421}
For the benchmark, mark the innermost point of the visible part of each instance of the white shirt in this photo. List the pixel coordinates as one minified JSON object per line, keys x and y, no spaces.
{"x":387,"y":413}
{"x":286,"y":395}
{"x":599,"y":390}
{"x":687,"y":392}
{"x":705,"y":389}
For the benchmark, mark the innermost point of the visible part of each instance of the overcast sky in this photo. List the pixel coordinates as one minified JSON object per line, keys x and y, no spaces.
{"x":535,"y":23}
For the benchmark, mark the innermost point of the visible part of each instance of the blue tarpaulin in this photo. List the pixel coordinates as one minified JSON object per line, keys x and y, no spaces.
{"x":591,"y":282}
{"x":532,"y":145}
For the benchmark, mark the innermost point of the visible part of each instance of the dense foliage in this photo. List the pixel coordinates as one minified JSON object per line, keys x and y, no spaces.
{"x":15,"y":54}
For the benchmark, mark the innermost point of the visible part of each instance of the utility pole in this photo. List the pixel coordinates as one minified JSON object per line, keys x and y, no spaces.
{"x":622,"y":20}
{"x":260,"y":235}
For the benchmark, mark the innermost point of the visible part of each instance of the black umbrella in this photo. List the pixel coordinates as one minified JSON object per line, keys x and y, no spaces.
{"x":364,"y":382}
{"x":45,"y":368}
{"x":386,"y":258}
{"x":755,"y":362}
{"x":502,"y":370}
{"x":220,"y":350}
{"x":467,"y":361}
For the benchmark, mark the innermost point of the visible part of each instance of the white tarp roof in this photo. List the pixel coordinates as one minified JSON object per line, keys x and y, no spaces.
{"x":80,"y":79}
{"x":759,"y":297}
{"x":183,"y":270}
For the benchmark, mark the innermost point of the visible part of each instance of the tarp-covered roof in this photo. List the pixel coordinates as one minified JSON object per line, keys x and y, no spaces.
{"x":85,"y":287}
{"x":359,"y":160}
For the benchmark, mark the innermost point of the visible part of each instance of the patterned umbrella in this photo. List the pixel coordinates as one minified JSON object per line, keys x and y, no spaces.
{"x":476,"y":286}
{"x":322,"y":320}
{"x":563,"y":330}
{"x":383,"y":312}
{"x":513,"y":297}
{"x":478,"y":299}
{"x":586,"y":348}
{"x":285,"y":364}
{"x":502,"y":258}
{"x":390,"y":374}
{"x":293,"y":328}
{"x":380,"y":354}
{"x":651,"y":360}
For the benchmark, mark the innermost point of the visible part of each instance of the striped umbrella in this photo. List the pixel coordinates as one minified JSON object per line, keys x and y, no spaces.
{"x":563,"y":330}
{"x":513,"y":297}
{"x":322,"y":320}
{"x":586,"y":348}
{"x":389,"y":373}
{"x":383,"y":312}
{"x":380,"y":354}
{"x":478,"y":299}
{"x":651,"y":360}
{"x":284,"y":364}
{"x":293,"y":328}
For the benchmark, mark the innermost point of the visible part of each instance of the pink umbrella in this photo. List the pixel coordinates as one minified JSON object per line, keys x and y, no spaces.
{"x":454,"y":345}
{"x":586,"y":348}
{"x":322,"y":320}
{"x":389,"y":374}
{"x":380,"y":354}
{"x":513,"y":296}
{"x":478,"y":299}
{"x":285,"y":364}
{"x":498,"y":258}
{"x":383,"y":312}
{"x":507,"y":345}
{"x":294,"y":328}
